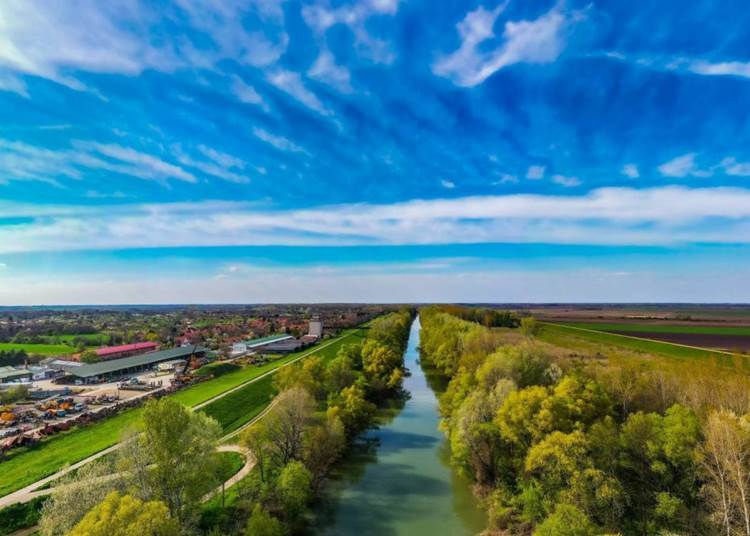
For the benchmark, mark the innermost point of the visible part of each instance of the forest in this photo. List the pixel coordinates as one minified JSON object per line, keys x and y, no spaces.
{"x":561,"y":443}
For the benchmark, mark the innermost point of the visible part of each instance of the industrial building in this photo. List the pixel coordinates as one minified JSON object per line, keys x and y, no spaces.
{"x":316,"y":328}
{"x":126,"y":350}
{"x":242,"y":348}
{"x":105,"y":370}
{"x":13,"y":375}
{"x":286,"y":346}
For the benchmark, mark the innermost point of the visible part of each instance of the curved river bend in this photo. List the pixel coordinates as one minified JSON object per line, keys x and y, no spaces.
{"x":403,"y":484}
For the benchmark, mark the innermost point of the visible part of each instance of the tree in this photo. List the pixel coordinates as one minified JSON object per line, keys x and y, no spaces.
{"x":180,"y":449}
{"x":74,"y":495}
{"x":567,"y":520}
{"x":261,"y":523}
{"x":286,"y":424}
{"x":529,"y":327}
{"x":354,"y":410}
{"x":125,"y":515}
{"x":89,"y":356}
{"x":293,"y":487}
{"x":726,"y":468}
{"x":324,"y":444}
{"x":340,"y":373}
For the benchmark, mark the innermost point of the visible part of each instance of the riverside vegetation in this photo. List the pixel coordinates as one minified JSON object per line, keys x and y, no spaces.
{"x":573,"y":443}
{"x":169,"y":461}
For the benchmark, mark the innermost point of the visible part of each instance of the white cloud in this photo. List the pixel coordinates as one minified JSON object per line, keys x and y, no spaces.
{"x":568,"y":182}
{"x":221,"y":165}
{"x":631,"y":171}
{"x":537,"y":41}
{"x":535,"y":172}
{"x":665,"y":215}
{"x":291,"y":83}
{"x":447,"y":184}
{"x":732,"y":167}
{"x":506,"y":178}
{"x":683,"y":166}
{"x":301,"y":285}
{"x":55,"y":40}
{"x":21,"y":161}
{"x":320,"y":17}
{"x":13,"y":84}
{"x":730,"y":68}
{"x":247,"y":94}
{"x":280,"y":142}
{"x":327,"y":71}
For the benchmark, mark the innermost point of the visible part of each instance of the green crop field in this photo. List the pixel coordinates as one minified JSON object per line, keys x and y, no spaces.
{"x":43,"y":349}
{"x":557,"y":333}
{"x":660,"y":328}
{"x":25,"y":466}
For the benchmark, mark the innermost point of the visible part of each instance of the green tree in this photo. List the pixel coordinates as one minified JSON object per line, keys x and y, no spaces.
{"x":179,"y":462}
{"x":261,"y":523}
{"x":125,"y":515}
{"x":293,"y":487}
{"x":529,"y":327}
{"x":89,"y":356}
{"x":567,"y":520}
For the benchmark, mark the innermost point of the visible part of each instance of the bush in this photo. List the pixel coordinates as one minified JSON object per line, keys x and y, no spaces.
{"x":20,"y":516}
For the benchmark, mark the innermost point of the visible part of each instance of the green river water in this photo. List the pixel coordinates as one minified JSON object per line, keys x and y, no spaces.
{"x":399,"y":480}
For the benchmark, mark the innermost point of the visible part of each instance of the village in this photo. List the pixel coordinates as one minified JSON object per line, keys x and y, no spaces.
{"x":46,"y":395}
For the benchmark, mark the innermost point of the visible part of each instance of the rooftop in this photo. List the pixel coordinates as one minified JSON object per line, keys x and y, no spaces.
{"x":12,"y":372}
{"x":109,"y":350}
{"x":152,"y":358}
{"x":267,"y":340}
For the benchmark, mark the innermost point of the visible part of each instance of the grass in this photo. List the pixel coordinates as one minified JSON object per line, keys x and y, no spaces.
{"x":660,"y":328}
{"x":92,"y":339}
{"x":25,"y":466}
{"x":558,"y":333}
{"x":240,"y":406}
{"x":43,"y":349}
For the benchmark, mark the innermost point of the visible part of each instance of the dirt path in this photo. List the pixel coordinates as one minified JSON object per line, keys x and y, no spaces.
{"x":32,"y":490}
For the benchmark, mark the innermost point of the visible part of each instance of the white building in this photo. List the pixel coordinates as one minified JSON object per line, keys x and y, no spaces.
{"x":316,"y":328}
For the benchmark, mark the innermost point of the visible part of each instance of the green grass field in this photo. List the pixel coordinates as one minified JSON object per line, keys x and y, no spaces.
{"x":92,"y":339}
{"x":27,"y":465}
{"x":660,"y":328}
{"x":558,"y":334}
{"x":43,"y":349}
{"x":242,"y":405}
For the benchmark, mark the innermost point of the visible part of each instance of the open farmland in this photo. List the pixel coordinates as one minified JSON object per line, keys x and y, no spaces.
{"x":728,"y":338}
{"x":42,"y":349}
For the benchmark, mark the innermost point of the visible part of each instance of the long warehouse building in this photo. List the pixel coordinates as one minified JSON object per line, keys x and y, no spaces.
{"x":94,"y":372}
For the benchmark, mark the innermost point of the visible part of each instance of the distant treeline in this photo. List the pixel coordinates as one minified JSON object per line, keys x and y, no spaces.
{"x":491,"y":318}
{"x":9,"y":358}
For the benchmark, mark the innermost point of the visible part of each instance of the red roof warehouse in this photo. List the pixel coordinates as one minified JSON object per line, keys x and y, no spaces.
{"x":125,"y":350}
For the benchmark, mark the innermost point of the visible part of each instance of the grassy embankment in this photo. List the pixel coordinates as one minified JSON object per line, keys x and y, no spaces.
{"x":568,"y":336}
{"x":25,"y":466}
{"x":240,"y":406}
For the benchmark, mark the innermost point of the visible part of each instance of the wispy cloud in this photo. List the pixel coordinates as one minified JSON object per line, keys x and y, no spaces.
{"x":666,"y":215}
{"x":291,"y":83}
{"x":568,"y":182}
{"x":246,"y":93}
{"x":445,"y":183}
{"x":321,"y":17}
{"x":535,"y":173}
{"x":631,"y":171}
{"x":527,"y":41}
{"x":683,"y":166}
{"x":280,"y":142}
{"x":326,"y":70}
{"x":220,"y":165}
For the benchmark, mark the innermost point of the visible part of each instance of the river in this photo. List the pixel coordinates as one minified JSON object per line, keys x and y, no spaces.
{"x":399,"y":481}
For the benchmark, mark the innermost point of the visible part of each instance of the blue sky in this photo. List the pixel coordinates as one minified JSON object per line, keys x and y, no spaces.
{"x":373,"y":150}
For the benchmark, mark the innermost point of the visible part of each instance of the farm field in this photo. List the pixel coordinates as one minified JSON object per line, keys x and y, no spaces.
{"x":729,"y":338}
{"x":42,"y":349}
{"x":28,"y":465}
{"x":567,"y":336}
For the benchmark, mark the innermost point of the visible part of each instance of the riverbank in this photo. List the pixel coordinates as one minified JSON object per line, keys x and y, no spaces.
{"x":397,"y":480}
